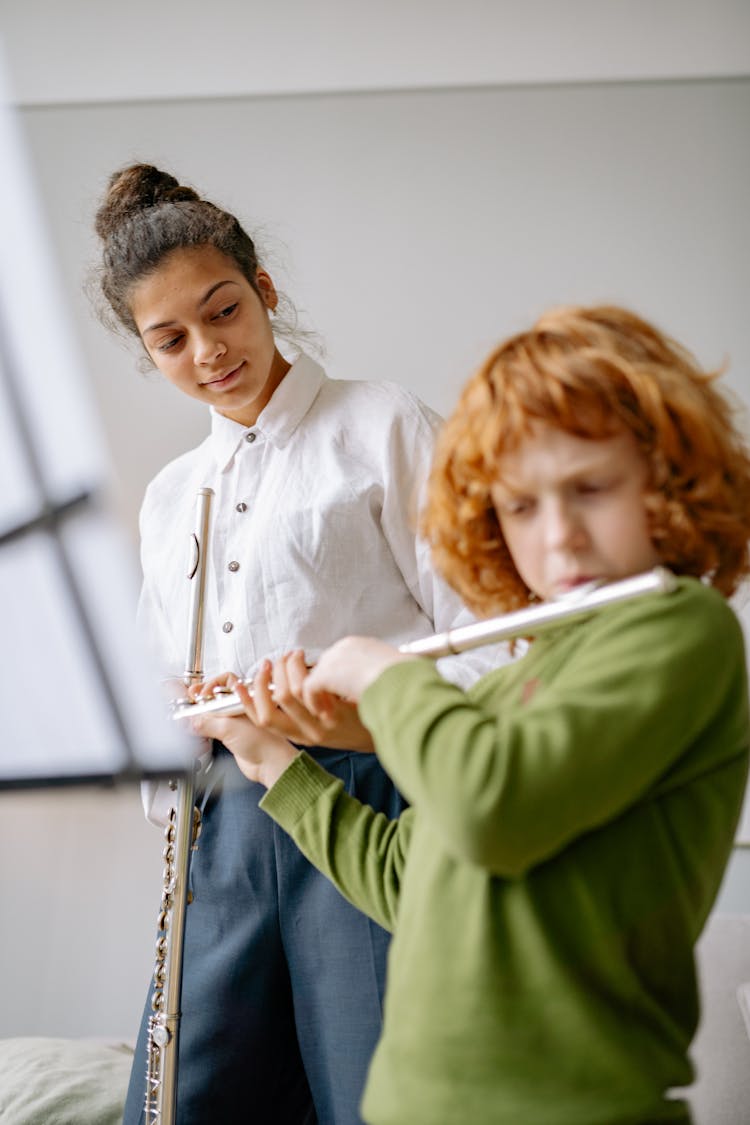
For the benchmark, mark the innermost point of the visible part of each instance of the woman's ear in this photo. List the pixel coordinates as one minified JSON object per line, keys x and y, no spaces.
{"x":267,"y":290}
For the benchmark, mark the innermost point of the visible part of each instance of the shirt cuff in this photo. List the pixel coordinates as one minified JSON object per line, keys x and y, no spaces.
{"x":298,"y":787}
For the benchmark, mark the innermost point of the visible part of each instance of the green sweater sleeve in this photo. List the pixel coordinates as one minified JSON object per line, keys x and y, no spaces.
{"x":362,"y":852}
{"x":602,"y":713}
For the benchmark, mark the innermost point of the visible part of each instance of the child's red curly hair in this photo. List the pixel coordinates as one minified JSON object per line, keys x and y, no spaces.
{"x":590,"y":371}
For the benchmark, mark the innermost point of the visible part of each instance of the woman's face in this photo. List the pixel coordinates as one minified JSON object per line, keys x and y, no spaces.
{"x":208,"y":331}
{"x":572,"y":510}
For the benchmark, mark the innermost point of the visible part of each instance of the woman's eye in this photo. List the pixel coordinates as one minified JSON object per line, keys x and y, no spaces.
{"x":226,"y":312}
{"x":169,"y":344}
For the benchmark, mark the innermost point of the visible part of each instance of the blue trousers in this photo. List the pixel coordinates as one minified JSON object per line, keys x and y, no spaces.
{"x":283,"y":980}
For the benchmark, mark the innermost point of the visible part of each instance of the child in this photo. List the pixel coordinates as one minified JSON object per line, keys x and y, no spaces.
{"x":571,"y":814}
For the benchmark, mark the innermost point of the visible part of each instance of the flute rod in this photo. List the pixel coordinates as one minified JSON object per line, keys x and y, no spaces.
{"x":197,"y":571}
{"x":535,"y":619}
{"x":164,"y":1025}
{"x":520,"y":623}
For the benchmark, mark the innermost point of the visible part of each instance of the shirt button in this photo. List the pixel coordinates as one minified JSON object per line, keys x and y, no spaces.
{"x":241,"y":507}
{"x":227,"y":627}
{"x":250,"y":437}
{"x":233,"y":566}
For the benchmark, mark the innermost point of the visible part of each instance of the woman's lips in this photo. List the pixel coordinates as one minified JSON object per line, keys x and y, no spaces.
{"x":224,"y":381}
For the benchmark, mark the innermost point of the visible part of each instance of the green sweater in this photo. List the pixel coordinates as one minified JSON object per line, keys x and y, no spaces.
{"x":571,"y":817}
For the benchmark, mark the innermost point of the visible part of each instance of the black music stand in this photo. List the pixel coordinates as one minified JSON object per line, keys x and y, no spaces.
{"x":78,"y":700}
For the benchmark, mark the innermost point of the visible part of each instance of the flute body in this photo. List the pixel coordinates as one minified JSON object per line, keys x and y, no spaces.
{"x":521,"y":623}
{"x":181,"y":835}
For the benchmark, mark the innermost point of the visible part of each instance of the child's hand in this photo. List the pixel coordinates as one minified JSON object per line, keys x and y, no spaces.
{"x":260,"y":754}
{"x":345,"y":670}
{"x":284,"y":711}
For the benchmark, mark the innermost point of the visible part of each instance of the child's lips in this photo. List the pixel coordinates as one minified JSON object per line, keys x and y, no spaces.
{"x":567,"y":585}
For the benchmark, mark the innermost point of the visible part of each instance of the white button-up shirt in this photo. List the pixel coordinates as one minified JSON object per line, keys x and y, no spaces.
{"x":313,"y":532}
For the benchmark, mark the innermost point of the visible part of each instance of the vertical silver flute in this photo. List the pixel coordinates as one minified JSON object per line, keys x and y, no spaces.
{"x":181,"y":836}
{"x":520,"y":623}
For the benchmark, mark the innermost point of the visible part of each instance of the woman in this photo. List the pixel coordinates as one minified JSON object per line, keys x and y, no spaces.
{"x":313,"y":537}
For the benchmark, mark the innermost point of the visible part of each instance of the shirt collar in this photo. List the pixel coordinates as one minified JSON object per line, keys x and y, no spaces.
{"x":289,"y":404}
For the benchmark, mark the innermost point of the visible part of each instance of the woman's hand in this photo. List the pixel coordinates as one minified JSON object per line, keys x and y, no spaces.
{"x":260,"y":754}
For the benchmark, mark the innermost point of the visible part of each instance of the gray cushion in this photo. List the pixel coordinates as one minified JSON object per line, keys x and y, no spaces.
{"x":63,"y":1081}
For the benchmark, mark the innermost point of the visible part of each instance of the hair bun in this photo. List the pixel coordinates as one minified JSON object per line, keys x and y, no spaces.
{"x":136,"y":188}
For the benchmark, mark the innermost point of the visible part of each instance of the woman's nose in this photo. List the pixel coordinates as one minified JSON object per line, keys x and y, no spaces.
{"x":208,"y":348}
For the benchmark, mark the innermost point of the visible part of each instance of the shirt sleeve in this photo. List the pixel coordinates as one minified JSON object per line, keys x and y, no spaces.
{"x":508,"y":784}
{"x":151,"y":618}
{"x":410,"y":452}
{"x":362,"y":852}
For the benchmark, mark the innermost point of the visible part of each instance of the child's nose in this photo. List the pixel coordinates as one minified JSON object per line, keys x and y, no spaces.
{"x":562,"y":525}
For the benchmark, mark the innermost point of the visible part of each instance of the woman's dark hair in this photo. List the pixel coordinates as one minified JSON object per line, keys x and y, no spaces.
{"x":146,"y":215}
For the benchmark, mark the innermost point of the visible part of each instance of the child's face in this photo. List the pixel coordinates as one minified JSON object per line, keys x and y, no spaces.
{"x":572,"y":509}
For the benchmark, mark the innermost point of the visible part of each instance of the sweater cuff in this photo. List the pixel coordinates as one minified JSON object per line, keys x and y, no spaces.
{"x":298,"y":787}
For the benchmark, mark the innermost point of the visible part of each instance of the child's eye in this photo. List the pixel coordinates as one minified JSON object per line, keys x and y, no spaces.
{"x":592,"y":487}
{"x":518,"y":506}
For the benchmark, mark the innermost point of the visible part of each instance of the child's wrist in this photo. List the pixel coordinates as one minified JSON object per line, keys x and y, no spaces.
{"x":272,"y":769}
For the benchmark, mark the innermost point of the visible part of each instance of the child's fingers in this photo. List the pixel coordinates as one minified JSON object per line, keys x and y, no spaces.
{"x":204,"y":689}
{"x":317,"y":699}
{"x":262,"y":699}
{"x":284,"y":684}
{"x":288,"y":677}
{"x":297,"y":672}
{"x":241,"y":690}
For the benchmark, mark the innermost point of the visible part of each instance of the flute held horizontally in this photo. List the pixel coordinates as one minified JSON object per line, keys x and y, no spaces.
{"x":521,"y":623}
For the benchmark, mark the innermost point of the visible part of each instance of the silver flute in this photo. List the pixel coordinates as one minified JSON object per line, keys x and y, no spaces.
{"x":527,"y":622}
{"x":181,"y":833}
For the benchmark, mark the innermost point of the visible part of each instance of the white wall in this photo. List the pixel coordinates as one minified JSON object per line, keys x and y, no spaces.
{"x":80,"y":879}
{"x":416,"y":229}
{"x":415,"y":226}
{"x":86,"y":51}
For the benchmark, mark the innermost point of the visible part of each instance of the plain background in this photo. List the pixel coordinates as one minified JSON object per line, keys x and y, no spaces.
{"x":424,"y":179}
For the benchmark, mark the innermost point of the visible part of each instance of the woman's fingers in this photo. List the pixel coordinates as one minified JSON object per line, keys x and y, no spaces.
{"x":214,"y":726}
